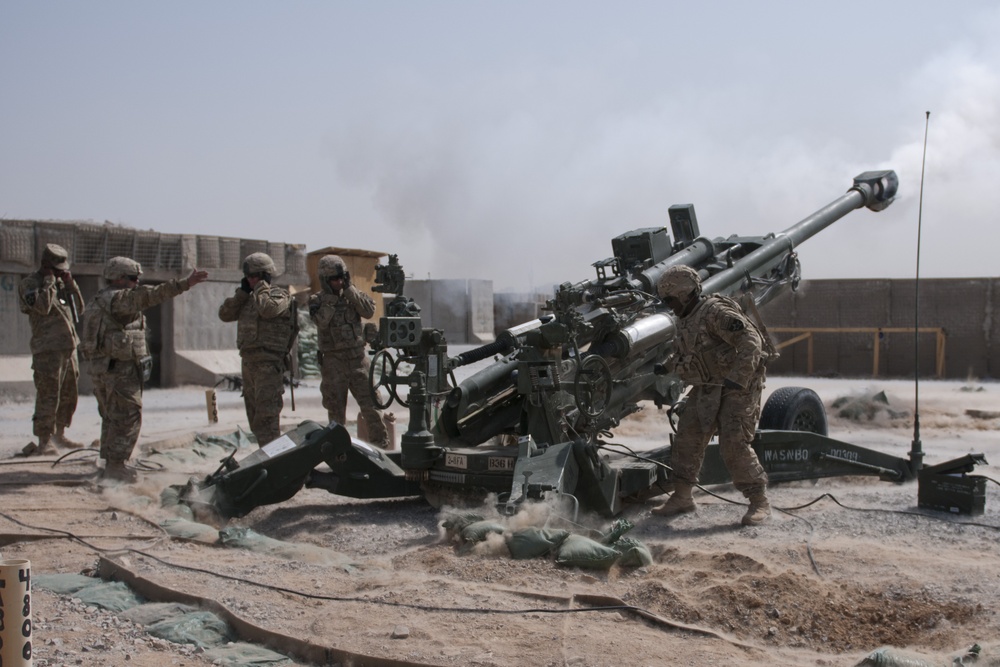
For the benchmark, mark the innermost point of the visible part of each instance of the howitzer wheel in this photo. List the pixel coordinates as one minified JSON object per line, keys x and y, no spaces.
{"x":395,"y":385}
{"x":794,"y":409}
{"x":592,"y":387}
{"x":385,"y":366}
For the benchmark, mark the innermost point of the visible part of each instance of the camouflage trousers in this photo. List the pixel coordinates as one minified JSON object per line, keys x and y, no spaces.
{"x":346,"y":371}
{"x":56,"y":374}
{"x":733,"y":414}
{"x":263,"y":387}
{"x":118,"y":389}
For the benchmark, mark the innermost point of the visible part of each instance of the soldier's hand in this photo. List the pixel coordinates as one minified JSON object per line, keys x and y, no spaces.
{"x":245,"y":285}
{"x":729,"y":384}
{"x":313,"y":308}
{"x":347,"y":279}
{"x":660,"y":369}
{"x":197,"y":276}
{"x":66,"y":277}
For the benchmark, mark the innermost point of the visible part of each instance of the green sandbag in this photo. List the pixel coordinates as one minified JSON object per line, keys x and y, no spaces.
{"x":455,"y":523}
{"x":190,"y":530}
{"x":532,"y":542}
{"x":580,"y":551}
{"x":634,"y":553}
{"x":478,"y":531}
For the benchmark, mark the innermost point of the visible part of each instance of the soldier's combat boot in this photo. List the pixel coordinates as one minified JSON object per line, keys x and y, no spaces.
{"x":61,"y":440}
{"x":760,"y":508}
{"x":680,"y":502}
{"x":117,"y":471}
{"x":44,"y":447}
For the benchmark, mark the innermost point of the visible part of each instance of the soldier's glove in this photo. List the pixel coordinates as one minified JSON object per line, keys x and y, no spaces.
{"x":347,"y":279}
{"x":729,"y":384}
{"x":313,"y":308}
{"x":660,"y":369}
{"x":245,"y":286}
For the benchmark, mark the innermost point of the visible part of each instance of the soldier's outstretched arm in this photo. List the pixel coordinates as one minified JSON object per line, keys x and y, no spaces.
{"x":197,"y":276}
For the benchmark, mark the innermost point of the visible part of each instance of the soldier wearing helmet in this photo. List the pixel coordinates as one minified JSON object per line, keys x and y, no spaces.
{"x":720,"y":354}
{"x":264,"y":327}
{"x":114,"y":347}
{"x":338,"y":310}
{"x":52,"y":301}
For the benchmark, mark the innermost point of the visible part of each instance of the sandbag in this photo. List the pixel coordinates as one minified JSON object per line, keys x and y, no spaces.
{"x":580,"y":551}
{"x":533,"y":542}
{"x":478,"y":531}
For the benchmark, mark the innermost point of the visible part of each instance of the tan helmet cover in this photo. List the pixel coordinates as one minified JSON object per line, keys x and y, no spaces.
{"x":119,"y":267}
{"x":330,"y":266}
{"x":258,"y":262}
{"x":56,"y":257}
{"x":679,"y":282}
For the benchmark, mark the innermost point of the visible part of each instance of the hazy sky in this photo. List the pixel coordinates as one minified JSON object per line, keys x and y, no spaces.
{"x":508,"y":140}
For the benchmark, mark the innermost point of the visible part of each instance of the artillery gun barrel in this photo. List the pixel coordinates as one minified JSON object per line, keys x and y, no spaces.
{"x":874,"y":189}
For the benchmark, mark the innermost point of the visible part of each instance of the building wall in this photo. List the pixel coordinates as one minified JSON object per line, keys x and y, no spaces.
{"x":963,"y":307}
{"x":462,"y":309}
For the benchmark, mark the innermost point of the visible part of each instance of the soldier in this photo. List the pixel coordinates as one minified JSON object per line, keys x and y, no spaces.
{"x":114,"y":345}
{"x":721,"y":355}
{"x":337,"y":309}
{"x":52,"y":300}
{"x":264,"y":330}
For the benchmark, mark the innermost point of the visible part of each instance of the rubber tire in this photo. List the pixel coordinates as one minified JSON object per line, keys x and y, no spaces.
{"x":794,"y":409}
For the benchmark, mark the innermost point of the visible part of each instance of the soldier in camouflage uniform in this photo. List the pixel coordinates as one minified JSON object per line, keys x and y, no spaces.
{"x":337,"y":309}
{"x":264,"y":327}
{"x":720,"y":354}
{"x":114,"y":345}
{"x":52,"y":300}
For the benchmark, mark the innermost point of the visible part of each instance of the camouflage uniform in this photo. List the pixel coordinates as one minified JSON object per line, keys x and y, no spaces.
{"x":263,"y":316}
{"x":717,"y":343}
{"x":721,"y":356}
{"x":52,"y":307}
{"x":338,"y":315}
{"x":114,"y":344}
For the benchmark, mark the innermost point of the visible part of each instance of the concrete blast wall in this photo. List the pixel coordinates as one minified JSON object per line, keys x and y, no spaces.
{"x":962,"y":307}
{"x":463,"y":309}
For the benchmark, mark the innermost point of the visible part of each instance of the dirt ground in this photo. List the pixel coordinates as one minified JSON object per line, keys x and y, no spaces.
{"x":848,"y":566}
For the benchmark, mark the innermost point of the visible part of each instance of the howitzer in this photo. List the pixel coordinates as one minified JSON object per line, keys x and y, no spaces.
{"x":560,"y":383}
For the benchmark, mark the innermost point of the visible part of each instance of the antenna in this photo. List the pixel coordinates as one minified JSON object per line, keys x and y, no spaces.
{"x":916,"y":450}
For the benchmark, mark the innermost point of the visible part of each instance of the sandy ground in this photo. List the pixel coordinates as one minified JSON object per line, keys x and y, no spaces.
{"x":856,"y":567}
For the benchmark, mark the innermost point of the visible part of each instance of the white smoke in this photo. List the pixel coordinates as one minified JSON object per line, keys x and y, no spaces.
{"x":526,"y":177}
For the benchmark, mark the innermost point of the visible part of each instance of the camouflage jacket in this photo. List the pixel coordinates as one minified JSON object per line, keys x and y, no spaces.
{"x":113,"y":324}
{"x":263,"y":321}
{"x":717,"y":342}
{"x":338,"y":318}
{"x":47,"y":302}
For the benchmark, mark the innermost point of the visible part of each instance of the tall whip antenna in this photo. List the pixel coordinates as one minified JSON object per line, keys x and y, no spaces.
{"x":916,"y":449}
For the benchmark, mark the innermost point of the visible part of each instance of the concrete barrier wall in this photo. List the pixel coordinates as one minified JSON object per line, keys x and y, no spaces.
{"x":462,"y":309}
{"x":963,"y":307}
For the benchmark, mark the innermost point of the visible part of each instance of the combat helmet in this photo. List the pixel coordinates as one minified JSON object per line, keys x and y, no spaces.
{"x":679,"y":282}
{"x":119,"y":267}
{"x":258,"y":262}
{"x":331,"y":266}
{"x":55,"y":257}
